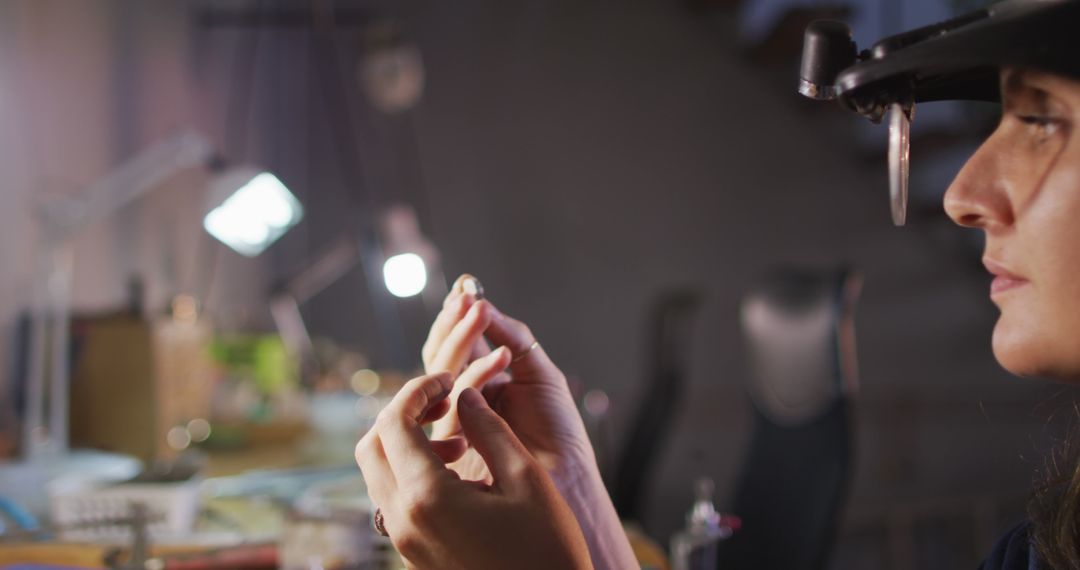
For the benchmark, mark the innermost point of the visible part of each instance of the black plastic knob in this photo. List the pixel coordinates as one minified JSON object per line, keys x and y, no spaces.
{"x":827,"y":50}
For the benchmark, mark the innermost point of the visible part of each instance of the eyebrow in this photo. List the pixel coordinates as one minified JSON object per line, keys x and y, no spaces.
{"x":1017,"y":85}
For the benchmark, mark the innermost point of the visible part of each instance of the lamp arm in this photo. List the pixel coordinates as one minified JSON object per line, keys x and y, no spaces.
{"x":131,"y":180}
{"x":45,"y":432}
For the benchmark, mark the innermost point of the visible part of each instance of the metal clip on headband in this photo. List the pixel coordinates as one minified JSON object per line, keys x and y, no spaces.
{"x":827,"y":51}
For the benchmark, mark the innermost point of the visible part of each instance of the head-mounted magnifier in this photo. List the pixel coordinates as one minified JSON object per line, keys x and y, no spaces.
{"x":957,"y":59}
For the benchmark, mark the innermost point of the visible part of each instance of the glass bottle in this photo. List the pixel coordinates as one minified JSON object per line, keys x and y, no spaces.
{"x":695,"y":547}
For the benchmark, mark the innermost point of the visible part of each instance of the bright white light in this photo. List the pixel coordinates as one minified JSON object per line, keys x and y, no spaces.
{"x":255,"y":215}
{"x":405,"y":275}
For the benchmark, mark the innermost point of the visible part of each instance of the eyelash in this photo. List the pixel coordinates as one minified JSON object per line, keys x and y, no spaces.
{"x":1045,"y":125}
{"x":1035,"y":120}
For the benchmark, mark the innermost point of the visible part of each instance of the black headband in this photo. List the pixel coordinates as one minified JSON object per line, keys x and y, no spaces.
{"x":955,"y":59}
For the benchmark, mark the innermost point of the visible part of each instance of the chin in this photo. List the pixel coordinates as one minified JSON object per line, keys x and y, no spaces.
{"x":1024,"y":353}
{"x":1016,"y":364}
{"x":1017,"y":352}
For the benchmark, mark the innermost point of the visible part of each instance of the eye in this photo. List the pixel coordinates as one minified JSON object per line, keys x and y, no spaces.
{"x":1043,"y":124}
{"x":1037,"y":120}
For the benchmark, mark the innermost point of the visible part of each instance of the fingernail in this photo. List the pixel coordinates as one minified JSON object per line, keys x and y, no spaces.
{"x":473,"y":287}
{"x":470,"y":398}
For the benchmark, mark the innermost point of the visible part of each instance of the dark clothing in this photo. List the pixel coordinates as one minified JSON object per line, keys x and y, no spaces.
{"x":1013,"y":551}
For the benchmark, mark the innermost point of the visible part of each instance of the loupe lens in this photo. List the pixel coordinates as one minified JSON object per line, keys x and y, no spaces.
{"x":899,"y":152}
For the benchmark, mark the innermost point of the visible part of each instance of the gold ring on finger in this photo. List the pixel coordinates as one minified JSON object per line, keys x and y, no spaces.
{"x":526,"y":352}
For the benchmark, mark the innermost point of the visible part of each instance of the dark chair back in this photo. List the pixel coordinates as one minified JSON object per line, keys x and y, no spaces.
{"x":669,"y":344}
{"x":799,"y":333}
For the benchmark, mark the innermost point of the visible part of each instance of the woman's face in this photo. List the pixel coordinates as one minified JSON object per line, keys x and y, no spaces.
{"x":1022,"y":188}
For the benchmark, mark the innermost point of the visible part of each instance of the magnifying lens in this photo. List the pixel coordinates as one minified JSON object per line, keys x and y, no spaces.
{"x":958,"y":59}
{"x":900,"y":116}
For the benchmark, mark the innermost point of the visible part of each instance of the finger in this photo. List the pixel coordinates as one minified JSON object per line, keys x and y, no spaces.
{"x":496,"y":443}
{"x":455,"y":350}
{"x":459,"y":283}
{"x":436,"y":411}
{"x":479,"y":350}
{"x":527,"y":363}
{"x":449,"y":424}
{"x":398,"y":426}
{"x":454,"y":309}
{"x":419,"y":395}
{"x":449,"y":450}
{"x":475,"y":376}
{"x":493,"y":391}
{"x":482,"y":371}
{"x":379,"y":479}
{"x":471,"y":286}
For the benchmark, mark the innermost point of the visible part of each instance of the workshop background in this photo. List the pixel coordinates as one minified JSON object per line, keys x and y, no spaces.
{"x":583,"y":159}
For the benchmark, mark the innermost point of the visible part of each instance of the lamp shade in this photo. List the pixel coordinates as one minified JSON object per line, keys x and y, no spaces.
{"x":250,"y":209}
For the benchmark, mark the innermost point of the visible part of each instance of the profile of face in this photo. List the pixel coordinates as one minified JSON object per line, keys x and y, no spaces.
{"x":1022,"y":188}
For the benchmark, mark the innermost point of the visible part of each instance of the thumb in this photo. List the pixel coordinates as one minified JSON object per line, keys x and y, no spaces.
{"x":492,"y":438}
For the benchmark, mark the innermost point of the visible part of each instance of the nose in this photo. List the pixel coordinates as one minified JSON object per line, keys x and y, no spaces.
{"x":979,"y":197}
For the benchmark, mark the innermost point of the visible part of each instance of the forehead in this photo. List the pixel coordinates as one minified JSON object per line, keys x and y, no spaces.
{"x":1038,"y":86}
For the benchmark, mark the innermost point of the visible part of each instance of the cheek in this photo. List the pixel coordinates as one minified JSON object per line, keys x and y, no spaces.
{"x":1039,"y":329}
{"x":1060,"y":308}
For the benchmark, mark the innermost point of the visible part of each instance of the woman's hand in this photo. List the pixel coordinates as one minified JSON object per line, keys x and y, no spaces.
{"x":526,"y":388}
{"x":532,"y":396}
{"x":437,"y":520}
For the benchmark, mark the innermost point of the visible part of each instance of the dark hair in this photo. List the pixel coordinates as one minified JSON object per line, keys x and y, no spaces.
{"x":1055,"y":509}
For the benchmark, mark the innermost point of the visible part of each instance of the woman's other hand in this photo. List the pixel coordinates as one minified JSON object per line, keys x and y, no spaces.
{"x":526,"y":388}
{"x":518,"y":379}
{"x":437,"y":520}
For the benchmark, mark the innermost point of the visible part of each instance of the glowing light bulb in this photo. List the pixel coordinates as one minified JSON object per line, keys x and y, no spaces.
{"x":405,"y":275}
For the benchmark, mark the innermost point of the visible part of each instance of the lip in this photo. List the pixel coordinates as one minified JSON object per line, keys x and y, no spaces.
{"x":1004,"y":279}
